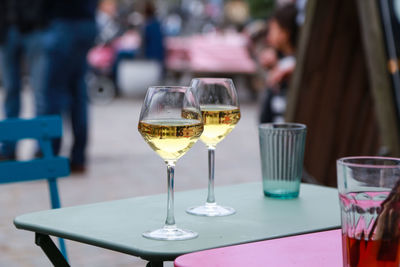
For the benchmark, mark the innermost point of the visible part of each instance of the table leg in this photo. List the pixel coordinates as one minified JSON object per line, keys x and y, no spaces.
{"x":51,"y":250}
{"x":155,"y":264}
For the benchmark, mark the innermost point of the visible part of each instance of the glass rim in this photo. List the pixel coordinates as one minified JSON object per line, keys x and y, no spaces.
{"x":175,"y":87}
{"x":211,"y":79}
{"x":344,"y":162}
{"x":283,"y":126}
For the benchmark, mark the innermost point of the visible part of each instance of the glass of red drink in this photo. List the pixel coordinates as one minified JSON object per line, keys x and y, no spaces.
{"x":369,"y":192}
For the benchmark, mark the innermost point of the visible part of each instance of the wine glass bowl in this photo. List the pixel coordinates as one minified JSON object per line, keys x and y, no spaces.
{"x":219,"y":121}
{"x":170,"y":139}
{"x":170,"y":122}
{"x":219,"y":106}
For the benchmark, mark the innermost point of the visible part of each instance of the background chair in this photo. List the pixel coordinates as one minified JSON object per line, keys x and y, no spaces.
{"x":49,"y":166}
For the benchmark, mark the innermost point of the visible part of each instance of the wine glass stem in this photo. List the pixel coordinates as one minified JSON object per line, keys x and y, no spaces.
{"x":211,"y":164}
{"x":170,"y":203}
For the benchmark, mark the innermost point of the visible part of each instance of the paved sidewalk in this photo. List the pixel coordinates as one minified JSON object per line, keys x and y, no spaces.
{"x":121,"y":165}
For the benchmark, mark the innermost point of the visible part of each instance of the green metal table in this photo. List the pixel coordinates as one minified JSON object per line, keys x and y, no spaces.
{"x":118,"y":225}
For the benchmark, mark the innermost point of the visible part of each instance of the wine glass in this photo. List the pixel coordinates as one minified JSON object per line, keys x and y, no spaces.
{"x":170,"y":122}
{"x":219,"y":106}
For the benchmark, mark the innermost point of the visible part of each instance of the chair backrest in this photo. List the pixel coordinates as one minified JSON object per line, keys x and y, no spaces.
{"x":43,"y":129}
{"x":50,"y":167}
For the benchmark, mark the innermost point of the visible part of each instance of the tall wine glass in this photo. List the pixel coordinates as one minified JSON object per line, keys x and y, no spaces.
{"x":219,"y":106}
{"x":170,"y":122}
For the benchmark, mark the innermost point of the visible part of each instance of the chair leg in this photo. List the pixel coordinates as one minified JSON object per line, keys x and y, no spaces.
{"x":63,"y":248}
{"x":54,"y":197}
{"x":55,"y":204}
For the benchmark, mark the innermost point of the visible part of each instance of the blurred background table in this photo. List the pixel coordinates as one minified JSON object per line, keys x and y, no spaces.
{"x":117,"y":225}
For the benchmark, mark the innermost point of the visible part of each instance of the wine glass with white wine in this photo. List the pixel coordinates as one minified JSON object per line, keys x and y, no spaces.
{"x":219,"y":106}
{"x":170,"y":122}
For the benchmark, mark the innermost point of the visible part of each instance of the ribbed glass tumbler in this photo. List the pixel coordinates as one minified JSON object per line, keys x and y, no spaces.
{"x":282,"y":154}
{"x":369,"y":193}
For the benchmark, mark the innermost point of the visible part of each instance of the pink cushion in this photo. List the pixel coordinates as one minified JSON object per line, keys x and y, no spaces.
{"x":311,"y":250}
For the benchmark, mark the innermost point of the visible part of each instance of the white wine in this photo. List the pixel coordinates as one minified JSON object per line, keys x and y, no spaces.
{"x":219,"y":120}
{"x":171,"y":138}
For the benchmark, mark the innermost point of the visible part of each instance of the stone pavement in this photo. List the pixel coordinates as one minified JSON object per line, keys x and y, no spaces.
{"x":121,"y":165}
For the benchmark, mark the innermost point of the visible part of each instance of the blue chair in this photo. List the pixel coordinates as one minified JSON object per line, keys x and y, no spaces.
{"x":49,"y":166}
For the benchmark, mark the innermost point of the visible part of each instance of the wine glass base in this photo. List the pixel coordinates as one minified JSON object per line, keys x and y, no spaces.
{"x":211,"y":210}
{"x":170,"y":233}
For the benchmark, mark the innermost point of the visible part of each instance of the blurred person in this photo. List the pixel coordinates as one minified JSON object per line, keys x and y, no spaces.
{"x":279,"y":59}
{"x":237,"y":12}
{"x":21,"y":24}
{"x":105,"y":56}
{"x":106,"y":21}
{"x":173,"y":24}
{"x":153,"y":37}
{"x":268,"y":57}
{"x":66,"y":41}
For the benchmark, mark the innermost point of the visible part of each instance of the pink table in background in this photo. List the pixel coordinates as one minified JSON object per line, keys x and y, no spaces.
{"x":311,"y":250}
{"x":210,"y":53}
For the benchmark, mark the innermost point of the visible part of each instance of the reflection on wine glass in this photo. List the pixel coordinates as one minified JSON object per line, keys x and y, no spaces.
{"x":170,"y":122}
{"x":219,"y":106}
